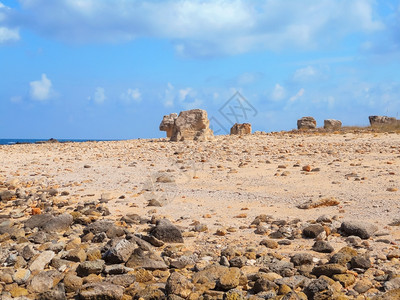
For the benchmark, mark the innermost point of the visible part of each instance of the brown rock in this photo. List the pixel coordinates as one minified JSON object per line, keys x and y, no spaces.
{"x":192,"y":125}
{"x":168,"y":123}
{"x":306,"y":123}
{"x":241,"y":129}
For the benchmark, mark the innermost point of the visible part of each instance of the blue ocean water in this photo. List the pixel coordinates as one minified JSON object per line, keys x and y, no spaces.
{"x":32,"y":141}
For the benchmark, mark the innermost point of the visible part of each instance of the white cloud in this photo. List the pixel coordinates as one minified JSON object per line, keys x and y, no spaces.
{"x":7,"y":34}
{"x":131,"y":95}
{"x":305,"y":74}
{"x":99,"y":95}
{"x":41,"y":89}
{"x":278,"y":93}
{"x":299,"y":94}
{"x":204,"y":27}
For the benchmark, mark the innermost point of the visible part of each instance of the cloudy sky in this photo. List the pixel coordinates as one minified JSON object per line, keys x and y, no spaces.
{"x":111,"y":69}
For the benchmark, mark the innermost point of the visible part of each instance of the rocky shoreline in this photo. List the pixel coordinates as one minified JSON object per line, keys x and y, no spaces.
{"x":61,"y":240}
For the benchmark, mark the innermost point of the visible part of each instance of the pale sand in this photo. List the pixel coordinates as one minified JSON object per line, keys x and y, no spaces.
{"x":254,"y":187}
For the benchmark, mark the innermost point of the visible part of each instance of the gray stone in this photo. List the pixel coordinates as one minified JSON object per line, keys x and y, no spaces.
{"x":361,"y":262}
{"x":332,"y":124}
{"x":120,"y":253}
{"x":322,"y":247}
{"x":167,"y":232}
{"x":44,"y":281}
{"x":299,"y":259}
{"x":58,"y":223}
{"x":146,"y":260}
{"x":90,"y":267}
{"x":41,"y":261}
{"x":306,"y":123}
{"x":362,"y":229}
{"x":58,"y":293}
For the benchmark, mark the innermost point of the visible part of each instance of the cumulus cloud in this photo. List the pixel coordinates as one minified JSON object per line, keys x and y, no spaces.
{"x":299,"y":94}
{"x":278,"y":93}
{"x":131,"y":95}
{"x":7,"y":33}
{"x":40,"y":89}
{"x":204,"y":27}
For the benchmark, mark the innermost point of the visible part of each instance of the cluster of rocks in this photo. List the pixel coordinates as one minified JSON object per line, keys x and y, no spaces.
{"x":188,"y":125}
{"x":68,"y":251}
{"x":310,"y":123}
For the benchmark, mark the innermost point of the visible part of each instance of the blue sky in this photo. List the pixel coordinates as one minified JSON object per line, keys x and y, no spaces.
{"x":111,"y":69}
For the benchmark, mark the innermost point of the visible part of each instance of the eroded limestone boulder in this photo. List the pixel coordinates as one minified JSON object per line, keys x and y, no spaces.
{"x":167,"y":123}
{"x":241,"y":129}
{"x":192,"y":125}
{"x":381,"y":120}
{"x":332,"y":124}
{"x":306,"y":123}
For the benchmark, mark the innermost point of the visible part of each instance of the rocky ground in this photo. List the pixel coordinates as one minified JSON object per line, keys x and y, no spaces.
{"x":264,"y":216}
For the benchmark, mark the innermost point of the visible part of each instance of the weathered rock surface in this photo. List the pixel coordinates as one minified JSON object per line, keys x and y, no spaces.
{"x":168,"y":123}
{"x":380,"y":120}
{"x":331,"y":124}
{"x":306,"y":123}
{"x":241,"y":129}
{"x":362,"y":229}
{"x":192,"y":125}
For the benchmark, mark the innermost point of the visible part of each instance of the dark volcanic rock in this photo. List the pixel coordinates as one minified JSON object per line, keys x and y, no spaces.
{"x":167,"y":232}
{"x":313,"y":231}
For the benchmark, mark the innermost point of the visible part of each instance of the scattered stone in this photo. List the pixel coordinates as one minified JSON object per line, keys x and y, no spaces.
{"x":100,"y":291}
{"x":178,"y":285}
{"x":361,"y":229}
{"x":323,"y":247}
{"x":167,"y":232}
{"x":312,"y":231}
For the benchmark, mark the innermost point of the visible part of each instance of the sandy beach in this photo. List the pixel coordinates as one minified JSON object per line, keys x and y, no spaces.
{"x":213,"y":191}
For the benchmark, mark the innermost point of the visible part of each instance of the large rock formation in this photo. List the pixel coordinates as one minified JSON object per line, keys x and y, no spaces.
{"x":381,"y":120}
{"x":332,"y":124}
{"x":241,"y":129}
{"x":306,"y":123}
{"x":192,"y":125}
{"x":167,"y":124}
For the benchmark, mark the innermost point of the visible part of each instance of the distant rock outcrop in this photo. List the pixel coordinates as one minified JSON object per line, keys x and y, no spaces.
{"x":241,"y":129}
{"x":191,"y":125}
{"x":167,"y":124}
{"x":380,"y":120}
{"x":306,"y":123}
{"x":332,"y":124}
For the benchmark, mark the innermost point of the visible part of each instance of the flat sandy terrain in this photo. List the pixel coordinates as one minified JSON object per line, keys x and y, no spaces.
{"x":226,"y":182}
{"x":273,"y":205}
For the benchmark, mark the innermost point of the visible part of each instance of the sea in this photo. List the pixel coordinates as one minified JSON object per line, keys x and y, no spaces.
{"x":33,"y":141}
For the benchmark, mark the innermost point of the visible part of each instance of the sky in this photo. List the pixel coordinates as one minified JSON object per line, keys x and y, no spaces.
{"x":110,"y":69}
